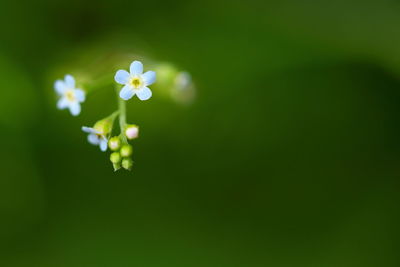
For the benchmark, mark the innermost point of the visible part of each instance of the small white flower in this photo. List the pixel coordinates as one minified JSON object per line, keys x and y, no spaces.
{"x":70,"y":97}
{"x":96,"y":138}
{"x":135,"y":82}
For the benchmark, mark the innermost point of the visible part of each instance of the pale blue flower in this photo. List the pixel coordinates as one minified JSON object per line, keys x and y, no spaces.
{"x":70,"y":97}
{"x":96,"y":138}
{"x":135,"y":82}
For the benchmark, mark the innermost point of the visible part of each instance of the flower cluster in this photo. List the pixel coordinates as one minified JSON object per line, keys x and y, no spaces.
{"x":134,"y":82}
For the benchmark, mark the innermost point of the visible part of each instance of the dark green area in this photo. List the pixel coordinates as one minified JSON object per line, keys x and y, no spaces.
{"x":290,"y":155}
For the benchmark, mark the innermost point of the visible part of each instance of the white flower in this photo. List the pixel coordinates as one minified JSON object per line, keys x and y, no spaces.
{"x":71,"y":97}
{"x":96,"y":137}
{"x":135,"y":82}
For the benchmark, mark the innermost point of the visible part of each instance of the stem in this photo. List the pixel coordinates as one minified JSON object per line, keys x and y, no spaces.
{"x":122,"y":114}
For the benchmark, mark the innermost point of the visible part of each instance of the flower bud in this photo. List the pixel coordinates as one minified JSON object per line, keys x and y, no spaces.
{"x":114,"y":143}
{"x":104,"y":126}
{"x":127,"y":164}
{"x":126,"y":151}
{"x":132,"y":131}
{"x":115,"y":158}
{"x":116,"y":166}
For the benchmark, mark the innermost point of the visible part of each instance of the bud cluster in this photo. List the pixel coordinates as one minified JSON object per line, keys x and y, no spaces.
{"x":122,"y":151}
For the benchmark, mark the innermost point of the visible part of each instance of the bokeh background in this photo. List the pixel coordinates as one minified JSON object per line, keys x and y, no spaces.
{"x":289,"y":156}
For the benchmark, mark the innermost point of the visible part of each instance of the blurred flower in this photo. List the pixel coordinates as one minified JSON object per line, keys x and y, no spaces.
{"x":135,"y":81}
{"x":183,"y":80}
{"x":173,"y":83}
{"x":71,"y":97}
{"x":96,"y":137}
{"x":132,"y":131}
{"x":183,"y":90}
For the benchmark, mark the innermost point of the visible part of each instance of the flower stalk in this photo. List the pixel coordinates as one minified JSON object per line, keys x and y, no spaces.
{"x":122,"y":115}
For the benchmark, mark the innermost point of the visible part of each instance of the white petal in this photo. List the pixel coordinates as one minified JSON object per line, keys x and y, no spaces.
{"x":93,"y":139}
{"x":60,"y":87}
{"x":126,"y":92}
{"x":144,"y":93}
{"x":90,"y":130}
{"x":87,"y":129}
{"x":75,"y":108}
{"x":103,"y":144}
{"x":62,"y":103}
{"x":136,"y":68}
{"x":69,"y":81}
{"x":149,"y":78}
{"x":121,"y":77}
{"x":80,"y":95}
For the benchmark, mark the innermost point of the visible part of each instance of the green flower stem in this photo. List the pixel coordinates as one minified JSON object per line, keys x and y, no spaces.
{"x":122,"y":114}
{"x":113,"y":115}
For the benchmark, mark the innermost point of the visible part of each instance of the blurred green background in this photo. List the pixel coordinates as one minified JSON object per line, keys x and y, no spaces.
{"x":289,"y":156}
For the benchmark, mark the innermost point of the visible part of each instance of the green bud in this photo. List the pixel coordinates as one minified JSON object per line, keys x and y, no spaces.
{"x":127,"y":164}
{"x":116,"y":166}
{"x":115,"y":158}
{"x":126,"y":151}
{"x":104,"y":126}
{"x":114,"y":143}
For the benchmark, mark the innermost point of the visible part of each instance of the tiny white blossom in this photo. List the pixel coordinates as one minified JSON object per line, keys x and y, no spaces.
{"x":70,"y":97}
{"x":96,"y":138}
{"x":135,"y":81}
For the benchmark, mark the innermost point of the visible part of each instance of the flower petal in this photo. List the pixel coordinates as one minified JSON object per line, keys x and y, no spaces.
{"x":121,"y":76}
{"x":93,"y":139}
{"x":60,"y":87}
{"x":62,"y":103}
{"x":87,"y":129}
{"x":80,"y":95}
{"x":70,"y":81}
{"x":149,"y":78}
{"x":136,"y":68}
{"x":75,"y":108}
{"x":90,"y":130}
{"x":126,"y":92}
{"x":144,"y":93}
{"x":103,"y":144}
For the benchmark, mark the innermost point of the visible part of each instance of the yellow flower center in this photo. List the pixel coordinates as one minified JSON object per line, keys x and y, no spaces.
{"x":136,"y":82}
{"x":70,"y":95}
